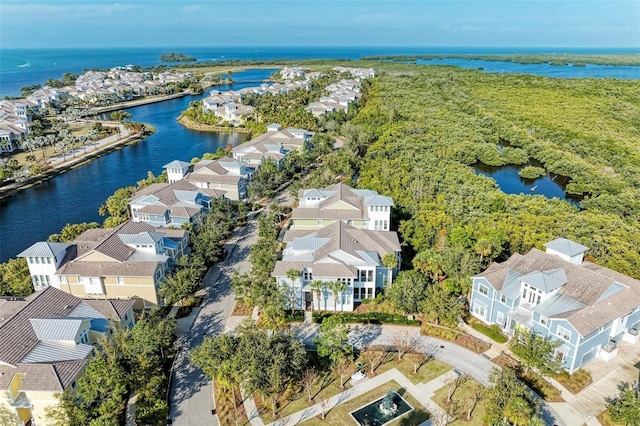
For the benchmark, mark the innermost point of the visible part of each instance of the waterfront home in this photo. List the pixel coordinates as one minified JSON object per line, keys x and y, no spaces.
{"x":291,"y":73}
{"x":360,"y":208}
{"x":14,"y":123}
{"x":272,"y":145}
{"x":360,"y":73}
{"x":337,"y":252}
{"x":45,"y":342}
{"x":171,"y":204}
{"x":589,"y":309}
{"x":224,"y":174}
{"x":128,"y":261}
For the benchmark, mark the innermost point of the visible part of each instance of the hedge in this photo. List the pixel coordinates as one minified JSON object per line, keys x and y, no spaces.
{"x":367,"y":318}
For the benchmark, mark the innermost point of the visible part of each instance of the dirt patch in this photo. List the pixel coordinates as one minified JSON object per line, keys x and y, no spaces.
{"x":472,"y":343}
{"x":241,"y":310}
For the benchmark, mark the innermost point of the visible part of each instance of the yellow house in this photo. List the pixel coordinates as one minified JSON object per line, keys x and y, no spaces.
{"x":125,"y":262}
{"x":45,"y":341}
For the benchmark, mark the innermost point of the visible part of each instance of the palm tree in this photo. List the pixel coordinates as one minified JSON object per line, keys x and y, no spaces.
{"x":337,"y":287}
{"x":483,"y":248}
{"x":390,"y":261}
{"x":317,"y":287}
{"x":293,"y":274}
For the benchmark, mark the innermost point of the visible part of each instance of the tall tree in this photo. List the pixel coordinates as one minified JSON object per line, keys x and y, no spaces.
{"x":293,"y":275}
{"x":625,"y":408}
{"x":390,"y":261}
{"x":181,"y":285}
{"x":337,"y":287}
{"x":536,"y":351}
{"x":441,"y":306}
{"x":408,"y":291}
{"x":317,"y":287}
{"x":504,"y":398}
{"x":333,"y":339}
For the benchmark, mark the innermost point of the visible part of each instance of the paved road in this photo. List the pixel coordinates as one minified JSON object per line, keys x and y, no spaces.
{"x":191,"y":392}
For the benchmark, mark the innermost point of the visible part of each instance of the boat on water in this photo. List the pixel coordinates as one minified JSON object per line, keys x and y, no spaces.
{"x":534,"y":188}
{"x":26,"y":64}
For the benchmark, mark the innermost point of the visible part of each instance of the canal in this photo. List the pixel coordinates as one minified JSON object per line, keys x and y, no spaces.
{"x":75,"y":196}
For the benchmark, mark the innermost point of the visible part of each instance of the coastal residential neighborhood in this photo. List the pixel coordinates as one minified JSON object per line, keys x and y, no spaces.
{"x":320,"y":270}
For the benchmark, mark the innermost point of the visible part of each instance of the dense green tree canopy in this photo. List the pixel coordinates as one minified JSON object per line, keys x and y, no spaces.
{"x":425,"y":126}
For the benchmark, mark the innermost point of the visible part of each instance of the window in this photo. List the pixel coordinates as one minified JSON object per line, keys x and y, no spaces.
{"x":307,"y":275}
{"x":543,"y":320}
{"x":503,"y":298}
{"x":483,"y":289}
{"x":479,"y":310}
{"x":500,"y":318}
{"x":563,"y":333}
{"x":319,"y":222}
{"x":83,"y":337}
{"x":159,"y":274}
{"x":119,"y":280}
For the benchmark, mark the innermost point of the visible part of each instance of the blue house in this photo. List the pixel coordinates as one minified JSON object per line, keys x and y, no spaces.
{"x":171,"y":204}
{"x":590,"y":309}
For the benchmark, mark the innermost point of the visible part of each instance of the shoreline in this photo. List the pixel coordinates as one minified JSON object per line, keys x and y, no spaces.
{"x":192,"y":125}
{"x":61,"y":168}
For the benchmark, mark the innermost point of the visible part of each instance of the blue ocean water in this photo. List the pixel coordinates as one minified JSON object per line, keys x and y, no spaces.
{"x":23,"y":67}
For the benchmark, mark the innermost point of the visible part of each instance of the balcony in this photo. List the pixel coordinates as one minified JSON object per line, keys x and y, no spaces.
{"x":609,"y":351}
{"x":631,"y":336}
{"x":20,"y":401}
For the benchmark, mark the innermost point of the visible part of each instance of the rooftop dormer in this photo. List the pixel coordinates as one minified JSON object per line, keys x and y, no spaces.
{"x":536,"y":286}
{"x":567,"y":250}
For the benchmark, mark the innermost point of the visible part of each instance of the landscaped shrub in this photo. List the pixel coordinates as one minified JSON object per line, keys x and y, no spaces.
{"x":439,"y":332}
{"x":576,"y":381}
{"x":367,"y":318}
{"x":293,"y":316}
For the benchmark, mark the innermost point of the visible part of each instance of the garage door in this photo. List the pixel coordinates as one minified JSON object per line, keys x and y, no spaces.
{"x":589,"y":356}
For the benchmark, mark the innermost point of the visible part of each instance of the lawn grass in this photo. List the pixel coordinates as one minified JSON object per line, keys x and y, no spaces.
{"x":427,"y":372}
{"x":490,"y":333}
{"x":339,"y":416}
{"x":575,"y":382}
{"x":459,"y":410}
{"x":291,"y":402}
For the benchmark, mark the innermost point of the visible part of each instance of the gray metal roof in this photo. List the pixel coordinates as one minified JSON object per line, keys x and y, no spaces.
{"x":176,"y":164}
{"x":57,"y":351}
{"x":613,"y":289}
{"x":45,"y":249}
{"x":56,"y":328}
{"x":521,"y":316}
{"x":558,"y":304}
{"x":566,"y":246}
{"x":546,"y":281}
{"x":141,"y":238}
{"x":512,"y":284}
{"x":378,"y":200}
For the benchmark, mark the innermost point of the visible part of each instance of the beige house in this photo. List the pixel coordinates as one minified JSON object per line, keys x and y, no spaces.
{"x":360,"y":208}
{"x":125,"y":262}
{"x":45,"y":341}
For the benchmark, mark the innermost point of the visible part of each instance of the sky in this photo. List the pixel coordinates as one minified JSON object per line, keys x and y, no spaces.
{"x":176,"y":23}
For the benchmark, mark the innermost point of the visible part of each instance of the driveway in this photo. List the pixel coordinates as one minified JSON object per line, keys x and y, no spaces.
{"x":191,"y":392}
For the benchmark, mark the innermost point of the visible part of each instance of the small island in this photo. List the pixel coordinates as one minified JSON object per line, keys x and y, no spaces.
{"x":176,"y":57}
